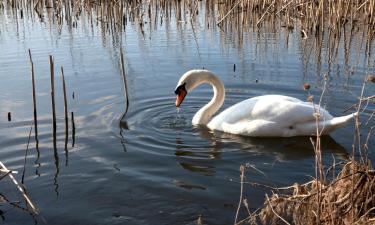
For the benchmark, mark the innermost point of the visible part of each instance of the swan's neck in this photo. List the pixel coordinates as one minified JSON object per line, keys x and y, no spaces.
{"x":204,"y":115}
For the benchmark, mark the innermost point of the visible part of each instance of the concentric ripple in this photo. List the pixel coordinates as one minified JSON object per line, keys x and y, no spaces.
{"x":157,"y":127}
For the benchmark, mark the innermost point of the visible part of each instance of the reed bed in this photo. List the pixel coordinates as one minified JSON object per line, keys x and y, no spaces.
{"x":313,"y":17}
{"x":327,"y":28}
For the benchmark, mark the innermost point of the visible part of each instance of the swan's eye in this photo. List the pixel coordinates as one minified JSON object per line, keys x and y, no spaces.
{"x":180,"y":88}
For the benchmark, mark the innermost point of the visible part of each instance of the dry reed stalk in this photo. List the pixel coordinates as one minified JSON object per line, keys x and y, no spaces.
{"x":52,"y":76}
{"x":225,"y":16}
{"x":33,"y":208}
{"x":65,"y":100}
{"x":66,"y":116}
{"x":296,"y":203}
{"x":34,"y":99}
{"x":242,"y":177}
{"x":125,"y":84}
{"x":267,"y":10}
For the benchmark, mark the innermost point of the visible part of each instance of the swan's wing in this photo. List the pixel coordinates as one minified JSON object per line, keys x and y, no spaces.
{"x":267,"y":113}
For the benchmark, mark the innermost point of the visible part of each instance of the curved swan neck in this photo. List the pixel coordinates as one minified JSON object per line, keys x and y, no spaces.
{"x":204,"y":115}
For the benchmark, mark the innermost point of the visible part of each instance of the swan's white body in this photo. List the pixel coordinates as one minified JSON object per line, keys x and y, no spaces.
{"x":262,"y":116}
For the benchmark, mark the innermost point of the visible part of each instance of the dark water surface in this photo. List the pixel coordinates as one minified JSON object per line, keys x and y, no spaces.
{"x":155,"y":167}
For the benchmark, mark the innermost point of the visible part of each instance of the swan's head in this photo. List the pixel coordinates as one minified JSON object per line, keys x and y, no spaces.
{"x":180,"y":94}
{"x":188,"y":82}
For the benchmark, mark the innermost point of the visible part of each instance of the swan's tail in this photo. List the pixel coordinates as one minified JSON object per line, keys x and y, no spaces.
{"x":336,"y":122}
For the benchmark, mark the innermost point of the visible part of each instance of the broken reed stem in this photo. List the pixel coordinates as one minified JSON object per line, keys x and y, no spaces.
{"x":125,"y":83}
{"x":34,"y":99}
{"x":66,"y":115}
{"x":242,"y":176}
{"x":53,"y":99}
{"x":34,"y":210}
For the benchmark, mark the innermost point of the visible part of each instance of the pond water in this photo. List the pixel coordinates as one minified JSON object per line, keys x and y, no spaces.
{"x":154,"y":167}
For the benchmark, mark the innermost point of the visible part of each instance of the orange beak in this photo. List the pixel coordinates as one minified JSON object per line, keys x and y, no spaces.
{"x":180,"y":97}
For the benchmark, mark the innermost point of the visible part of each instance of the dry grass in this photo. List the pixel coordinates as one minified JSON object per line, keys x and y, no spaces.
{"x":340,"y":202}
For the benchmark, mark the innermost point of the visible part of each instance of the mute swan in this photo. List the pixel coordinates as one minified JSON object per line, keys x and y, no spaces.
{"x":262,"y":116}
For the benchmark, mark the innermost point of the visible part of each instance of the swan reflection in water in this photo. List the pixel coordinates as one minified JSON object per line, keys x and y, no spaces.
{"x":283,"y":149}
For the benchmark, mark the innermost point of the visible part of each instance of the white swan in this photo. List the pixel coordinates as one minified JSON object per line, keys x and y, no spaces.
{"x":262,"y":116}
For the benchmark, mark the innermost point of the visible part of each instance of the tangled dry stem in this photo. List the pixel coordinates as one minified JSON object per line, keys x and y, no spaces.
{"x":340,"y":202}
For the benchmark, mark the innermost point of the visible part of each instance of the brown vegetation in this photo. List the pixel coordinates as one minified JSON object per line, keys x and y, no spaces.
{"x":340,"y":201}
